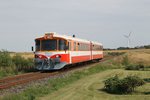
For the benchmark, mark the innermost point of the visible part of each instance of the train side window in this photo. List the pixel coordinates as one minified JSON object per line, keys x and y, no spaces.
{"x":80,"y":47}
{"x":83,"y":47}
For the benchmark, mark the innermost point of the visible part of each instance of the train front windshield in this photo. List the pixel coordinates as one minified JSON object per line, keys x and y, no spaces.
{"x":50,"y":45}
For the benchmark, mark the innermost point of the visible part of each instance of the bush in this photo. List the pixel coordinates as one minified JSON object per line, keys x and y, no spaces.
{"x":111,"y":84}
{"x":147,"y":80}
{"x":135,"y":67}
{"x":125,"y":60}
{"x":13,"y":65}
{"x":22,"y":63}
{"x":116,"y":53}
{"x":5,"y":59}
{"x":122,"y":86}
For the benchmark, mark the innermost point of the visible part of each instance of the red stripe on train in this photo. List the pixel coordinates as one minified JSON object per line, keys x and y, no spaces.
{"x":77,"y":59}
{"x":65,"y":58}
{"x":97,"y":56}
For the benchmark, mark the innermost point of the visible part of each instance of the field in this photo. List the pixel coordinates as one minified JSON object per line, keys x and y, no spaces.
{"x":139,"y":56}
{"x":23,"y":54}
{"x":88,"y":84}
{"x":91,"y":87}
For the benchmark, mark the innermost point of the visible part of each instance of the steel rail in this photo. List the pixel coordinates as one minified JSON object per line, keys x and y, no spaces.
{"x":26,"y":80}
{"x":11,"y":78}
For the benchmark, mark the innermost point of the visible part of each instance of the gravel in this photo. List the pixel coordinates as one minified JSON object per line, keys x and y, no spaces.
{"x":22,"y":87}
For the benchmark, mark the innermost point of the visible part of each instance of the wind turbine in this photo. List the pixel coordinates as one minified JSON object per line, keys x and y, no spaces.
{"x":128,"y":37}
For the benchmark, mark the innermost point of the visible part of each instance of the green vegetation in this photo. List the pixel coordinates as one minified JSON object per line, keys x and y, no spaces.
{"x":116,"y":53}
{"x":22,"y":63}
{"x":147,"y":80}
{"x":125,"y":60}
{"x":57,"y":83}
{"x":122,"y":86}
{"x":137,"y":47}
{"x":88,"y":84}
{"x":91,"y":88}
{"x":13,"y":65}
{"x":133,"y":66}
{"x":5,"y":59}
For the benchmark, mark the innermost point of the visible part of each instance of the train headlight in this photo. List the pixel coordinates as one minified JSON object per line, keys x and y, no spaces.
{"x":57,"y":56}
{"x":40,"y":56}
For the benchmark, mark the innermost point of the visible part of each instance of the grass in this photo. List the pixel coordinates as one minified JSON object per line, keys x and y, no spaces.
{"x":12,"y":65}
{"x":25,"y":55}
{"x":55,"y":84}
{"x":91,"y":88}
{"x":136,"y":60}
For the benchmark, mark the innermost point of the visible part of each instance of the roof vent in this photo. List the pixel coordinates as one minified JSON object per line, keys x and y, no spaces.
{"x":74,"y":36}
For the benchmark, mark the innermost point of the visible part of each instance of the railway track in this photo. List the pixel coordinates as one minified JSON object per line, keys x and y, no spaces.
{"x":8,"y":82}
{"x":22,"y":79}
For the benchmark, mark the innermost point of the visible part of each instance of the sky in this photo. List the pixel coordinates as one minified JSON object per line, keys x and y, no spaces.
{"x":105,"y":21}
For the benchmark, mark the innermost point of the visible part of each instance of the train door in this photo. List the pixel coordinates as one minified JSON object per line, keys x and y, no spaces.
{"x":69,"y":45}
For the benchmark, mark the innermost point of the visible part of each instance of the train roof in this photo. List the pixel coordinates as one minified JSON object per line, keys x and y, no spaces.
{"x":71,"y":38}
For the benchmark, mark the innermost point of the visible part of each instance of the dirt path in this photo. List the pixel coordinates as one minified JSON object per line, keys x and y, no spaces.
{"x":89,"y":88}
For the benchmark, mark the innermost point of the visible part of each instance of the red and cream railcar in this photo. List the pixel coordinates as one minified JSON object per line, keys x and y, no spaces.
{"x":54,"y":51}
